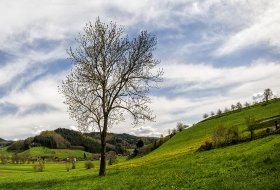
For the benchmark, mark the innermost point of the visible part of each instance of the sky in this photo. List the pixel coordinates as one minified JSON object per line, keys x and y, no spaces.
{"x":214,"y":53}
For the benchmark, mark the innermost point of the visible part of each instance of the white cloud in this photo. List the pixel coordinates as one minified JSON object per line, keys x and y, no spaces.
{"x":145,"y":131}
{"x":235,"y":24}
{"x":190,"y":77}
{"x":263,"y":28}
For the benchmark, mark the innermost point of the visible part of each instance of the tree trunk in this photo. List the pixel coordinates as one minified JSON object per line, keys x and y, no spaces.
{"x":102,"y":169}
{"x":252,"y":135}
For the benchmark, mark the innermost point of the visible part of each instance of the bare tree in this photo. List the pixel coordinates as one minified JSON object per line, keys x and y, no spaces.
{"x":267,"y":94}
{"x":205,"y":116}
{"x":246,"y":104}
{"x":232,"y":107}
{"x":180,"y":126}
{"x":226,"y":110}
{"x":212,"y":113}
{"x":111,"y":77}
{"x":251,"y":125}
{"x":239,"y":106}
{"x":219,"y":112}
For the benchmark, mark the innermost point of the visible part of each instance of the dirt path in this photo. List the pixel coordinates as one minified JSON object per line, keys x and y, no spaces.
{"x":268,"y":119}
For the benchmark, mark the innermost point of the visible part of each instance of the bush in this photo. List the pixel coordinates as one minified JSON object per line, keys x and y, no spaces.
{"x":39,"y":167}
{"x":232,"y":135}
{"x":89,"y":165}
{"x":112,"y":156}
{"x":207,"y":146}
{"x":219,"y":136}
{"x":67,"y":165}
{"x":222,"y":136}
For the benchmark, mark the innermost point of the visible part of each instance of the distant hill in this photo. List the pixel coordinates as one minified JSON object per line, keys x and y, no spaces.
{"x":91,"y":141}
{"x":4,"y":143}
{"x":62,"y":138}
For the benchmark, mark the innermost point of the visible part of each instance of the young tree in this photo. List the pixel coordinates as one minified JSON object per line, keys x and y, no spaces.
{"x":239,"y":105}
{"x":205,"y":115}
{"x":232,"y":107}
{"x":212,"y":113}
{"x":246,"y":104}
{"x":112,"y":76}
{"x":226,"y":110}
{"x":219,"y":112}
{"x":180,"y":126}
{"x":267,"y":94}
{"x":251,"y":125}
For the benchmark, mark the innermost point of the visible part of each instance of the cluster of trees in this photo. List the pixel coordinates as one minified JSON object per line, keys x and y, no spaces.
{"x":222,"y":136}
{"x":179,"y":127}
{"x":267,"y":95}
{"x":15,"y":159}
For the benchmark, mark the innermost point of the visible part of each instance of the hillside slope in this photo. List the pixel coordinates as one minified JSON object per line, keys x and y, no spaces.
{"x":176,"y":165}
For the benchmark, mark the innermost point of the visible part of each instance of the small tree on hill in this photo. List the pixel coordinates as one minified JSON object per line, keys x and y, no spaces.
{"x":205,"y":116}
{"x":251,"y":125}
{"x":239,"y":105}
{"x":180,"y":126}
{"x":226,"y":110}
{"x":246,"y":104}
{"x":267,"y":95}
{"x":232,"y":107}
{"x":212,"y":113}
{"x":219,"y":112}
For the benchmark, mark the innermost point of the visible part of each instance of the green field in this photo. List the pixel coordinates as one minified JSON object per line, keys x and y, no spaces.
{"x":174,"y":165}
{"x":59,"y":153}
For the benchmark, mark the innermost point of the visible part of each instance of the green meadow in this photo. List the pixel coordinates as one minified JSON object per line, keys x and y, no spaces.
{"x":174,"y":165}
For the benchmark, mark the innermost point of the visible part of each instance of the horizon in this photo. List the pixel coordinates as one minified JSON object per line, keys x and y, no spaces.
{"x":210,"y":61}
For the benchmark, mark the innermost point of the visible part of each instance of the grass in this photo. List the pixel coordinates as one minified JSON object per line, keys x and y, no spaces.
{"x":174,"y":165}
{"x":43,"y":151}
{"x":60,"y":153}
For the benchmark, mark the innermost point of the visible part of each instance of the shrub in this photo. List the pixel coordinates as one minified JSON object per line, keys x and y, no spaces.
{"x":232,"y":135}
{"x":67,"y":165}
{"x":219,"y":136}
{"x":89,"y":165}
{"x":207,"y":146}
{"x":251,"y":125}
{"x":3,"y":158}
{"x":39,"y":167}
{"x":112,"y":156}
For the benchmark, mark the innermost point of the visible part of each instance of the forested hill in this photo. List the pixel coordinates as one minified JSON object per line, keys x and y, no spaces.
{"x":62,"y":138}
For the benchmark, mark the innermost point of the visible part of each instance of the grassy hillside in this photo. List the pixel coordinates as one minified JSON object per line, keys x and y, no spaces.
{"x":174,"y":165}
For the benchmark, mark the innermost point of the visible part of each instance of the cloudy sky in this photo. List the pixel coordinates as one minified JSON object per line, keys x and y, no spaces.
{"x":214,"y":53}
